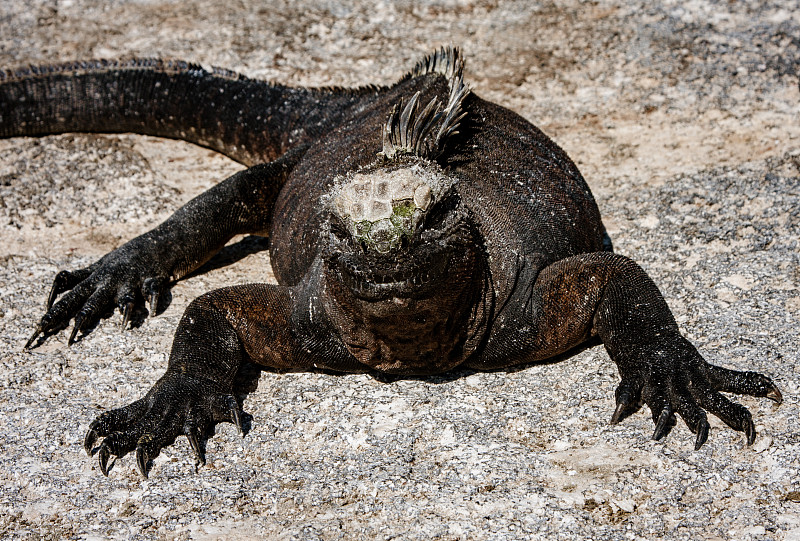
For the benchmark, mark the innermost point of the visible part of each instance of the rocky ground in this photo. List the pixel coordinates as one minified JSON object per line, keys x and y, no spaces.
{"x":684,"y":117}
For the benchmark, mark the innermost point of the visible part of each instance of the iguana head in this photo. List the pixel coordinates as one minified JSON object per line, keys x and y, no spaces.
{"x":383,"y":206}
{"x":396,"y":224}
{"x":404,"y":268}
{"x":395,"y":227}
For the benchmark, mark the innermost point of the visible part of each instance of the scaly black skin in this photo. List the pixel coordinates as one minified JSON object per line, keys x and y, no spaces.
{"x":512,"y":266}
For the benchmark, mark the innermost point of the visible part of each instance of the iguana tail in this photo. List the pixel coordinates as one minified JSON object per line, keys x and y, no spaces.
{"x":248,"y":120}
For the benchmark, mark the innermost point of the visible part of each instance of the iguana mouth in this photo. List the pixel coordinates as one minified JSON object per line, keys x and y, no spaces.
{"x":376,"y":280}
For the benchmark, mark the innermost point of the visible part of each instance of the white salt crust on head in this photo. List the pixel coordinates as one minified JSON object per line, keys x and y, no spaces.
{"x":372,"y":196}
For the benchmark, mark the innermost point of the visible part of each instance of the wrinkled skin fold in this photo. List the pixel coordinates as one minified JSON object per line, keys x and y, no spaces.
{"x":414,"y":229}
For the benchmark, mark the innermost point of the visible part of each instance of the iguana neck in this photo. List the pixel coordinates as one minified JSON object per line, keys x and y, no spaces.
{"x":414,"y":336}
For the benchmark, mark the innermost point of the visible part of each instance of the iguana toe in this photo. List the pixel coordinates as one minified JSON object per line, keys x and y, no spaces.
{"x":151,"y":290}
{"x":628,"y":402}
{"x":750,"y":431}
{"x":702,"y":434}
{"x":75,"y":328}
{"x":236,"y":419}
{"x":33,"y":337}
{"x":89,"y":440}
{"x":64,"y":281}
{"x":127,"y":306}
{"x":775,"y":395}
{"x":665,"y":422}
{"x":199,"y":455}
{"x":103,"y":454}
{"x":142,"y":461}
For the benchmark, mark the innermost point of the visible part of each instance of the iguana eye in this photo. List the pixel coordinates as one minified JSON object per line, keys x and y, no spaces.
{"x":435,"y":219}
{"x":442,"y":213}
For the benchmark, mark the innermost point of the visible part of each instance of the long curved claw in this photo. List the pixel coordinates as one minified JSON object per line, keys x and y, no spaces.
{"x":153,"y":301}
{"x":750,"y":431}
{"x":702,"y":434}
{"x":194,"y":443}
{"x":89,"y":440}
{"x":56,"y":288}
{"x":775,"y":395}
{"x":75,"y":329}
{"x":151,"y":290}
{"x":625,"y":406}
{"x":141,"y":460}
{"x":33,"y":338}
{"x":666,"y":420}
{"x":127,"y":313}
{"x":618,"y":412}
{"x":235,"y":417}
{"x":102,"y":456}
{"x":63,"y":281}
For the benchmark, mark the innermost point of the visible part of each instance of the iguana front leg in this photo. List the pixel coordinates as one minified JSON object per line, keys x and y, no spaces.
{"x":142,"y":268}
{"x":220,"y":331}
{"x":215,"y":336}
{"x":608,"y":295}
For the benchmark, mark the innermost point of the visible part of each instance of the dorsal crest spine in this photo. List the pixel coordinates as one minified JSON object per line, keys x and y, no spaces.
{"x":411,"y":129}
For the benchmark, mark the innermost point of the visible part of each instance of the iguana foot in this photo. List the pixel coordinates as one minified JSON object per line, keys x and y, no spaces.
{"x":124,"y":278}
{"x":672,"y":378}
{"x":177,"y":404}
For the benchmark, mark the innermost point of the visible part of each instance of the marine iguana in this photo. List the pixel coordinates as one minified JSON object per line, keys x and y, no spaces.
{"x":413,"y":229}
